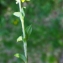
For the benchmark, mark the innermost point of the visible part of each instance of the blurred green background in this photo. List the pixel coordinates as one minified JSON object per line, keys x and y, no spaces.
{"x":45,"y":45}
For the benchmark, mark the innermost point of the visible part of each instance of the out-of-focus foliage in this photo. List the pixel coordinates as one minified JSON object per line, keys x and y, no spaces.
{"x":46,"y":40}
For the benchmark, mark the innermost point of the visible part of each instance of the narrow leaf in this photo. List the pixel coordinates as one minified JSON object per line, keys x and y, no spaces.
{"x":29,"y":30}
{"x":22,"y":11}
{"x":19,"y":38}
{"x":23,"y":57}
{"x":17,"y":14}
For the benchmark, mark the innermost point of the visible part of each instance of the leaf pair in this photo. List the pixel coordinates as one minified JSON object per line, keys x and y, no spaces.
{"x":21,"y":56}
{"x":19,"y":14}
{"x":28,"y":33}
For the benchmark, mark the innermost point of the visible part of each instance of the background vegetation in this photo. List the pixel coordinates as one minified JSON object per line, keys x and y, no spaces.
{"x":46,"y":41}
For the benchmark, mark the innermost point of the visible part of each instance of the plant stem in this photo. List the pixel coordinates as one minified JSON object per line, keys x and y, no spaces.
{"x":23,"y":30}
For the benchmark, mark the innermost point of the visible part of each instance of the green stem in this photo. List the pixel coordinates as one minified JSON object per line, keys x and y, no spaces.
{"x":23,"y":30}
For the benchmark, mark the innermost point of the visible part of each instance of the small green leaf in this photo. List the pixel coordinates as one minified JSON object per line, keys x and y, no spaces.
{"x":29,"y":30}
{"x":16,"y":55}
{"x":17,"y":14}
{"x":23,"y":57}
{"x":19,"y":38}
{"x":22,"y":11}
